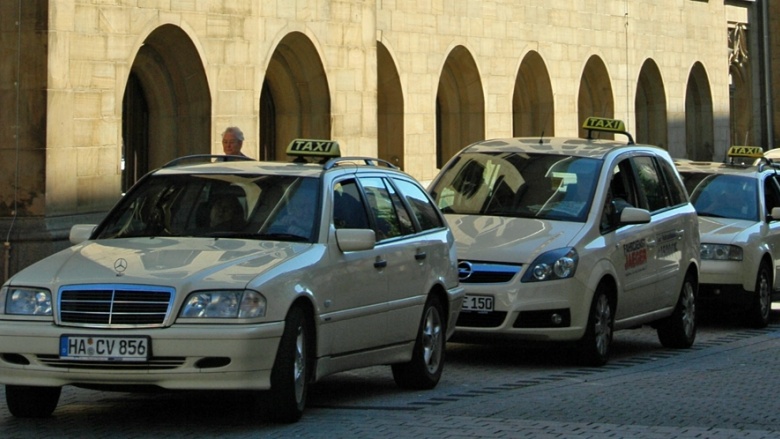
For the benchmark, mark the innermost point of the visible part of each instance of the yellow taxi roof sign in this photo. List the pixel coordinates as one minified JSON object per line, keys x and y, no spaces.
{"x":314,"y":147}
{"x":604,"y":124}
{"x":746,"y":151}
{"x":607,"y":125}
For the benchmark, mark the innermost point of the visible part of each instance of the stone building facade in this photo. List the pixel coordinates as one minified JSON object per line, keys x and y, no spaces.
{"x":95,"y":93}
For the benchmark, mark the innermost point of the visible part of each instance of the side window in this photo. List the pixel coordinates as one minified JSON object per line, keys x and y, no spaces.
{"x":771,"y":193}
{"x":424,"y":211}
{"x":677,"y":192}
{"x":622,"y":193}
{"x":384,"y":209}
{"x":651,"y":184}
{"x":349,"y":211}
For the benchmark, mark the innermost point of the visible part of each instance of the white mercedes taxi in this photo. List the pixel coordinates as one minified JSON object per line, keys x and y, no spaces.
{"x":570,"y":239}
{"x":739,"y":221}
{"x":238,"y":274}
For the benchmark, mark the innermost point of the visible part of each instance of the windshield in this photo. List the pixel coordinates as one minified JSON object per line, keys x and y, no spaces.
{"x":543,"y":186}
{"x":723,"y":196}
{"x":208,"y":205}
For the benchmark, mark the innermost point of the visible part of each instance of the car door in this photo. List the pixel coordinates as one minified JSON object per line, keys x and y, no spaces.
{"x":634,"y":244}
{"x":404,"y":257}
{"x":355,"y":309}
{"x":665,"y":199}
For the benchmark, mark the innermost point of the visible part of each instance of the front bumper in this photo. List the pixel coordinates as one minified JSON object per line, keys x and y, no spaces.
{"x":544,"y":311}
{"x":195,"y":357}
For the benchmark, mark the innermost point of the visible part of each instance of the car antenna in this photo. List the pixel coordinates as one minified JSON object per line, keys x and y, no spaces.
{"x":541,"y":138}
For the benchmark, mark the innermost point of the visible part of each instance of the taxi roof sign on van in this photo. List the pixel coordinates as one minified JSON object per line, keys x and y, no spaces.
{"x":313,"y":147}
{"x":746,"y":151}
{"x":607,"y":125}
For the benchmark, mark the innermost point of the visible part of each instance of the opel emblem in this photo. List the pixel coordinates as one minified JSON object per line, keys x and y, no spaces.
{"x":120,"y":265}
{"x":465,"y":270}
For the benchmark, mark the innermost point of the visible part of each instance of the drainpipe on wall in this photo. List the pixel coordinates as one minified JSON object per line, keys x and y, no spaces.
{"x":767,"y":75}
{"x":15,"y":211}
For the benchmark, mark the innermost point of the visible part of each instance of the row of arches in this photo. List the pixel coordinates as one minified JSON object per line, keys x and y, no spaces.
{"x":167,"y":103}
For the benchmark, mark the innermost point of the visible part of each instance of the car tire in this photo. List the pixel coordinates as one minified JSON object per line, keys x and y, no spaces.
{"x":424,"y":370}
{"x":290,"y":374}
{"x":679,"y":330}
{"x":761,"y":301}
{"x":595,"y":344}
{"x":32,"y":402}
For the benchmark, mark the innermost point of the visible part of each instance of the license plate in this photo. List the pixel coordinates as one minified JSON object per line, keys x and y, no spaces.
{"x":94,"y":348}
{"x":477,"y":303}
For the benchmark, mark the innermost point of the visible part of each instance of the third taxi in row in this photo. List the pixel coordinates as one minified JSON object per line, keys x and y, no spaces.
{"x":739,"y":217}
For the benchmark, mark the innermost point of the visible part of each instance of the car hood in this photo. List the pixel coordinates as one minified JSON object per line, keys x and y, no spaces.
{"x":722,"y":230}
{"x":503,"y":239}
{"x":202,"y":262}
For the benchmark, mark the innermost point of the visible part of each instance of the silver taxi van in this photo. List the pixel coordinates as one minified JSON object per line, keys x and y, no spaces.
{"x":237,"y":274}
{"x":738,"y":204}
{"x":570,"y":239}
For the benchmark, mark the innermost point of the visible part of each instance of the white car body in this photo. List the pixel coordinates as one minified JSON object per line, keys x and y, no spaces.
{"x":364,"y":298}
{"x":643,"y":263}
{"x":738,"y":208}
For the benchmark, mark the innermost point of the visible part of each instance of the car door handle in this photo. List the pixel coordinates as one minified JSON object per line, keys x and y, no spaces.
{"x":380,"y":263}
{"x":420,"y":256}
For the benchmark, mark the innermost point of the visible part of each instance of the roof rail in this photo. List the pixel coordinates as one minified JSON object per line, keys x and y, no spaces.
{"x":368,"y":161}
{"x":206,"y":158}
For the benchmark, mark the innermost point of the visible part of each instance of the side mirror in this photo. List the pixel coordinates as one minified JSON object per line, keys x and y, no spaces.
{"x":633,"y":215}
{"x":80,"y":233}
{"x":774,"y":214}
{"x":350,"y":240}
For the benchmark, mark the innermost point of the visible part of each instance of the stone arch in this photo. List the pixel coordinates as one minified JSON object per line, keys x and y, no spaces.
{"x":595,"y":96}
{"x":390,"y":109}
{"x":650,"y":107}
{"x":533,"y":107}
{"x":295,"y":99}
{"x":460,"y":105}
{"x":699,"y":124}
{"x":166,"y":108}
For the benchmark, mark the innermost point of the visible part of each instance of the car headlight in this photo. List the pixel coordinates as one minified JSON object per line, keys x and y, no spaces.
{"x":554,"y":264}
{"x":26,"y":301}
{"x":721,"y":252}
{"x":227,"y":304}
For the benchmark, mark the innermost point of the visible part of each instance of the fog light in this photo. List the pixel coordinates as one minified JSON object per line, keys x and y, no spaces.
{"x":556,"y":319}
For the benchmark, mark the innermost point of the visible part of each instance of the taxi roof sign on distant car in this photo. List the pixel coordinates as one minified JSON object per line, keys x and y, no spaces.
{"x":746,"y":151}
{"x":606,"y":125}
{"x":313,"y":148}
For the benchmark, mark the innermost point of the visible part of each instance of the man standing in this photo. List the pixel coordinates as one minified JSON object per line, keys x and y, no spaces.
{"x":232,"y":141}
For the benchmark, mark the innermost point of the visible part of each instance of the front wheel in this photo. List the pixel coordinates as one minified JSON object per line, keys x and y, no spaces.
{"x":595,"y":344}
{"x":32,"y":402}
{"x":679,"y":329}
{"x":290,"y":374}
{"x":424,"y":370}
{"x":761,"y":304}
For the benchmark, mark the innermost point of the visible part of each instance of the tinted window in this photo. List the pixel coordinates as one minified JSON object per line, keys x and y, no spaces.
{"x":677,"y":192}
{"x":349,"y":211}
{"x":425,"y":212}
{"x":651,"y":184}
{"x":383,"y":204}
